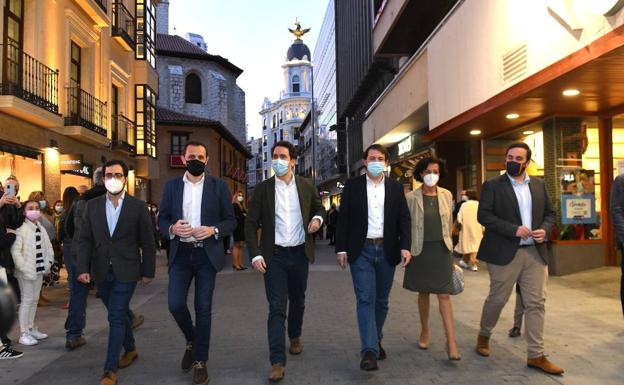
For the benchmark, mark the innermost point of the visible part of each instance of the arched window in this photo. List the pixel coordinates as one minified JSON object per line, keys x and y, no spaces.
{"x":295,"y":83}
{"x":192,"y":89}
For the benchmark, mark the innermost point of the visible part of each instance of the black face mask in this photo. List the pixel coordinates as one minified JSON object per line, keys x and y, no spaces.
{"x":515,"y":168}
{"x":195,"y":167}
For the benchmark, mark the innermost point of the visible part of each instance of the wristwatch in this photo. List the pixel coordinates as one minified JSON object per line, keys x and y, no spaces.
{"x":216,"y":232}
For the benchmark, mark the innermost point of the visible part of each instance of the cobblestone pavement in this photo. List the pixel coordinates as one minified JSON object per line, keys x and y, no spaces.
{"x":584,"y":334}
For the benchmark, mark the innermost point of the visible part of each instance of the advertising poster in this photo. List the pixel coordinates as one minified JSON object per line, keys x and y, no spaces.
{"x":578,"y":197}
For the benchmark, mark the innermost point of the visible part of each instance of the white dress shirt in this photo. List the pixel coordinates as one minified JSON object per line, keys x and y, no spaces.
{"x":191,"y":203}
{"x":290,"y":230}
{"x":112,"y":212}
{"x":376,"y":194}
{"x":525,"y":204}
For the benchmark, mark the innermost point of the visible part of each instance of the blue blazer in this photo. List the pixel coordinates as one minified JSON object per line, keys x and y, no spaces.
{"x":216,"y":210}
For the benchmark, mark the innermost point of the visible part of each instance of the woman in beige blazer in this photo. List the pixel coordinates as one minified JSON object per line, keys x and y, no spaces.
{"x":430,"y":270}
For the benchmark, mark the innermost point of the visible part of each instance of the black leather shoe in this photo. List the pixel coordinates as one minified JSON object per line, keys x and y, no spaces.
{"x":200,"y":374}
{"x":382,"y":353}
{"x":514,"y":332}
{"x":369,"y":362}
{"x":187,"y":359}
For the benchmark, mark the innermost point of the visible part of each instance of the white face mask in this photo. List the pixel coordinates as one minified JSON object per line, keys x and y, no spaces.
{"x":114,"y":186}
{"x":240,"y":199}
{"x":464,"y":198}
{"x":431,"y":179}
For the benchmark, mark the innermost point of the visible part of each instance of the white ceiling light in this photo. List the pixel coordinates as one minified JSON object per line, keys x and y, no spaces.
{"x":512,"y":115}
{"x":475,"y":132}
{"x":571,"y":92}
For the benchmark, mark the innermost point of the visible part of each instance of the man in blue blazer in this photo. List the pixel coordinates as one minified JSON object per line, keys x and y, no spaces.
{"x":195,"y":213}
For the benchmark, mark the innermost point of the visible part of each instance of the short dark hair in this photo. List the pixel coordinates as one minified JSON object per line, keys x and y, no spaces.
{"x":472,"y":195}
{"x":377,"y":147}
{"x":194,"y":143}
{"x":292,"y":150}
{"x":115,"y":162}
{"x":520,"y":145}
{"x":422,"y":165}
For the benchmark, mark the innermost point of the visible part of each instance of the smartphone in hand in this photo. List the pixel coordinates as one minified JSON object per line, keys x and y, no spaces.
{"x":9,"y":189}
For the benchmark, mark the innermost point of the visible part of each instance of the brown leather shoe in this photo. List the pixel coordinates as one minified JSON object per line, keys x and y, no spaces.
{"x":128,"y":358}
{"x":137,"y":321}
{"x":200,"y":373}
{"x":296,"y":347}
{"x":483,"y":346}
{"x":75,"y":343}
{"x":277,"y":373}
{"x":545,"y":365}
{"x":109,"y":378}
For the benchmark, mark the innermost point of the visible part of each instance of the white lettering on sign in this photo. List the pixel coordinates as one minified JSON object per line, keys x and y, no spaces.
{"x":405,"y":146}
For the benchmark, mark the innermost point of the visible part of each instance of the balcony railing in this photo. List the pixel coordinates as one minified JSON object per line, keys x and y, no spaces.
{"x":83,"y":109}
{"x":102,"y":4}
{"x":123,"y":133}
{"x":123,"y":23}
{"x":25,"y":77}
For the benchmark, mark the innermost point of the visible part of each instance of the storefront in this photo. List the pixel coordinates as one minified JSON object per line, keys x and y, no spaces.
{"x":24,"y":163}
{"x":405,"y":155}
{"x":75,"y":172}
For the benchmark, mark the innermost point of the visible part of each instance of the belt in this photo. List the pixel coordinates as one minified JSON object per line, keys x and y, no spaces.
{"x":290,"y":247}
{"x":192,"y":244}
{"x":374,"y":241}
{"x":521,"y":246}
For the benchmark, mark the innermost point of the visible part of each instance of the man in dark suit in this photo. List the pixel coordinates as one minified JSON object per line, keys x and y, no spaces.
{"x":518,"y":218}
{"x":195,"y":213}
{"x":617,"y":216}
{"x":289,"y":210}
{"x":116,"y":249}
{"x":374,"y":235}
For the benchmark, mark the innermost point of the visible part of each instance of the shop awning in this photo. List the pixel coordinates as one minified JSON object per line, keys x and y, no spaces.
{"x":18,"y":149}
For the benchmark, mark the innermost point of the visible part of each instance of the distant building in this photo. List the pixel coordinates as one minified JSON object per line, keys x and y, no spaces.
{"x":254,"y":165}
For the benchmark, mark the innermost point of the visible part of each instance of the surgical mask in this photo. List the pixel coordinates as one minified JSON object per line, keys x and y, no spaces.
{"x":58,"y":209}
{"x":240,"y":199}
{"x":33,"y":215}
{"x":431,"y":179}
{"x":375,"y":168}
{"x":514,"y":168}
{"x":464,"y":198}
{"x":195,"y":167}
{"x":113,"y":186}
{"x":43,"y":204}
{"x":280,"y":167}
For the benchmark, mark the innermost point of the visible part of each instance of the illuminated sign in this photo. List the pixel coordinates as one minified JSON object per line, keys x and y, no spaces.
{"x":405,"y":146}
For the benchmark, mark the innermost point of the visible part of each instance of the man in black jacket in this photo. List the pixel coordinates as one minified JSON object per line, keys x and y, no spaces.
{"x":617,"y":216}
{"x":374,"y":235}
{"x":116,"y":249}
{"x":518,"y":218}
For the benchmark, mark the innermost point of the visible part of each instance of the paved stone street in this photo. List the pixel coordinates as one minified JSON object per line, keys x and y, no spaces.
{"x":584,"y":334}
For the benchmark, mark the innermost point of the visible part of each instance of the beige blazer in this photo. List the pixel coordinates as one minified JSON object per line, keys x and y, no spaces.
{"x":415,"y":205}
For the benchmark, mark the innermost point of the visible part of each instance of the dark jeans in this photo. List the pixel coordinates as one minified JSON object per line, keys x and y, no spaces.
{"x":622,"y":282}
{"x":116,"y":297}
{"x":285,"y":281}
{"x":77,"y":312}
{"x":69,"y":261}
{"x":6,"y":341}
{"x":372,"y":280}
{"x":189,"y":264}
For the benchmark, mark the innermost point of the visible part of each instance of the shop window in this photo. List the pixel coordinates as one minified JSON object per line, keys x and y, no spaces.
{"x":29,"y":172}
{"x":178,"y":142}
{"x":145,"y":120}
{"x":192,"y":89}
{"x":146,"y":31}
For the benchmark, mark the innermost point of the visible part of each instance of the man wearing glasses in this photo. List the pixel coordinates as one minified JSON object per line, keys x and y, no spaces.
{"x":116,"y":253}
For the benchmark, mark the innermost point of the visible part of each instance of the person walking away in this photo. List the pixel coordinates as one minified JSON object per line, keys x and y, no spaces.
{"x":240,"y":212}
{"x":470,"y":232}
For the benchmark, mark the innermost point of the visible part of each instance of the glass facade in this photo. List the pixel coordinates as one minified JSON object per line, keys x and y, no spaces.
{"x":146,"y":31}
{"x":145,"y":120}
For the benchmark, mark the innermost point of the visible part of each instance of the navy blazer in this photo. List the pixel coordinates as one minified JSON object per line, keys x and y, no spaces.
{"x":216,"y":210}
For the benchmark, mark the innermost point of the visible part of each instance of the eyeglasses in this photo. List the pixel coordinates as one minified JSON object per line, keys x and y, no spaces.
{"x":110,"y":175}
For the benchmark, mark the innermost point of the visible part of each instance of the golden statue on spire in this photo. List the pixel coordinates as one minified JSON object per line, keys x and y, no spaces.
{"x":298,"y":32}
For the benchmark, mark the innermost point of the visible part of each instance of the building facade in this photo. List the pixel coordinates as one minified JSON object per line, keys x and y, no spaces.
{"x":78,"y":88}
{"x":545,"y":73}
{"x":254,"y":165}
{"x":281,"y":120}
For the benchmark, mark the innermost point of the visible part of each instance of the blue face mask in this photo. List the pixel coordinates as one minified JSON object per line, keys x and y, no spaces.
{"x":280,"y":167}
{"x":42,"y":204}
{"x":375,"y":168}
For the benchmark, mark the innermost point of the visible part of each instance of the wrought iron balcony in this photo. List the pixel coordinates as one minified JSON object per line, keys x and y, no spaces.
{"x":83,"y":109}
{"x":103,"y":4}
{"x":28,"y":79}
{"x":123,"y":134}
{"x":124,"y":24}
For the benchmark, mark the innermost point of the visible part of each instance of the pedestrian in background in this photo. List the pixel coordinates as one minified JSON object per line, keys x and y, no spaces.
{"x":33,"y":257}
{"x":516,"y":329}
{"x":13,"y":217}
{"x":373,"y":235}
{"x":69,"y":197}
{"x":518,"y":217}
{"x":289,"y":208}
{"x":617,"y":215}
{"x":240,"y":212}
{"x":47,"y":221}
{"x":470,"y":231}
{"x":116,"y":251}
{"x":332,"y":218}
{"x":431,"y":268}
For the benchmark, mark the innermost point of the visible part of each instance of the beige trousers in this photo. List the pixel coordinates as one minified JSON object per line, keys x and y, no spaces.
{"x":527,"y":269}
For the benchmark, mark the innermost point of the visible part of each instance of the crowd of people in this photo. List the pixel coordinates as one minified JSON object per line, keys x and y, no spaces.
{"x":97,"y":234}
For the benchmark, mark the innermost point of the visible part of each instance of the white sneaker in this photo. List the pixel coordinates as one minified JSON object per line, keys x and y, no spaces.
{"x":474,"y":268}
{"x":27,"y":339}
{"x":36,"y":334}
{"x":463,"y":264}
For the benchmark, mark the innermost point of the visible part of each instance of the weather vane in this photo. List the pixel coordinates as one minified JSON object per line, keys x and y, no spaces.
{"x":298,"y":32}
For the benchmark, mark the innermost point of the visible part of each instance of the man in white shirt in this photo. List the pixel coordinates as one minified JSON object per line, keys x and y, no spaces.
{"x":288,"y":210}
{"x":374,"y":235}
{"x":195,"y":212}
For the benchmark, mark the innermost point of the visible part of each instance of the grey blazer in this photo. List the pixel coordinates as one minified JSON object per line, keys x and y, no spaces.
{"x":415,"y":205}
{"x":130,"y":252}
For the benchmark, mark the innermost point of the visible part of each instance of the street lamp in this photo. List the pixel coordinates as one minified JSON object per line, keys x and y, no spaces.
{"x":334,"y":127}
